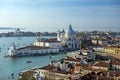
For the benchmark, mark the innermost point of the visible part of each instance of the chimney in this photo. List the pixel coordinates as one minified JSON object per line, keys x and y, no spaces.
{"x":108,"y":74}
{"x":89,"y":65}
{"x":114,"y":76}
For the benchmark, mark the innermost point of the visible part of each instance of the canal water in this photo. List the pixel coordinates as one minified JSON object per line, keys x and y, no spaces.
{"x":10,"y":65}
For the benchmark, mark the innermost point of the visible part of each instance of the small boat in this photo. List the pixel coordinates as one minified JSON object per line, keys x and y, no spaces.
{"x":12,"y":74}
{"x":29,"y":61}
{"x":50,"y":56}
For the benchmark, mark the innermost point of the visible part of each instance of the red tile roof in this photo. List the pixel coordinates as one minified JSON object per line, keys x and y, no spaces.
{"x":85,"y":66}
{"x":53,"y":69}
{"x":34,"y":48}
{"x":115,"y":63}
{"x":102,"y":64}
{"x":49,"y":40}
{"x":72,"y":60}
{"x":111,"y":73}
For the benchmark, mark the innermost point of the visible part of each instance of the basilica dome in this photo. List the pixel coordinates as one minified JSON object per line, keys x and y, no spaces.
{"x":70,"y":31}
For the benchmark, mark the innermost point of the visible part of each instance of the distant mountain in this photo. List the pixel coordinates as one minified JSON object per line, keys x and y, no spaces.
{"x":6,"y":28}
{"x":9,"y":28}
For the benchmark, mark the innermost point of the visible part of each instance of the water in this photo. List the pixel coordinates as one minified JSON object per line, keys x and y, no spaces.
{"x":15,"y":65}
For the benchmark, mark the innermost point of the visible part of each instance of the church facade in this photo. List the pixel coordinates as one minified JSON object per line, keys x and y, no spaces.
{"x":68,"y":39}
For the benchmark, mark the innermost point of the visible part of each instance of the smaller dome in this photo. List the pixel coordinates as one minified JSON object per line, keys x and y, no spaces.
{"x":70,"y":31}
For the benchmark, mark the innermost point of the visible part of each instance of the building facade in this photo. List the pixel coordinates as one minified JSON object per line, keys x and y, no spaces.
{"x":99,"y":42}
{"x":18,"y":32}
{"x":31,"y":50}
{"x":112,"y":50}
{"x":53,"y":43}
{"x":68,"y":39}
{"x":12,"y":50}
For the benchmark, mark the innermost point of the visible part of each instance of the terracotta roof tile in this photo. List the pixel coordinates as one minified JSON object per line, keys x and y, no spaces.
{"x":49,"y":40}
{"x":115,"y":63}
{"x":102,"y":64}
{"x":34,"y":48}
{"x":72,"y":60}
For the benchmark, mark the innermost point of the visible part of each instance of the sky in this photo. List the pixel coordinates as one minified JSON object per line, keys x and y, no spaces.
{"x":51,"y":15}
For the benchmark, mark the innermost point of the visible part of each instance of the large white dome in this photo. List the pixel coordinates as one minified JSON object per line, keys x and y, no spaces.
{"x":70,"y":31}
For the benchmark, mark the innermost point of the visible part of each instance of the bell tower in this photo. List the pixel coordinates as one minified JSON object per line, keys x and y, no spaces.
{"x":58,"y":35}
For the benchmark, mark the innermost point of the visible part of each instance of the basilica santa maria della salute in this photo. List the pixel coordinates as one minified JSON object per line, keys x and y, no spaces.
{"x":65,"y":40}
{"x":68,"y":39}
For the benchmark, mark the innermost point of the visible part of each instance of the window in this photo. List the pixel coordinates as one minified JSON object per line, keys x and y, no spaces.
{"x":36,"y":51}
{"x":69,"y":43}
{"x":69,"y":39}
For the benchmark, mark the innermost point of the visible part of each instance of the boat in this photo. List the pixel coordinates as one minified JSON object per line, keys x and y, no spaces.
{"x":12,"y":74}
{"x":50,"y":56}
{"x":29,"y":62}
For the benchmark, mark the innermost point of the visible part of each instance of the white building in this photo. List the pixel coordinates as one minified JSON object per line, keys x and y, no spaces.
{"x":99,"y":49}
{"x":65,"y":40}
{"x":32,"y":50}
{"x":12,"y":50}
{"x":53,"y":43}
{"x":75,"y":54}
{"x":36,"y":50}
{"x":68,"y":39}
{"x":18,"y":32}
{"x":100,"y":42}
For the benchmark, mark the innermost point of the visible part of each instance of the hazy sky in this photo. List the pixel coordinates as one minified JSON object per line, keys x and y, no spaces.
{"x":51,"y":15}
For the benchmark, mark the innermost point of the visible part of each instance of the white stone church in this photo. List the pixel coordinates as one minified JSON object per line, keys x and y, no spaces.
{"x":65,"y":41}
{"x":68,"y":39}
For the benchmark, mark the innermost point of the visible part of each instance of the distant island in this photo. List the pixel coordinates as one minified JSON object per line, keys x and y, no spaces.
{"x":30,"y":33}
{"x":27,"y":34}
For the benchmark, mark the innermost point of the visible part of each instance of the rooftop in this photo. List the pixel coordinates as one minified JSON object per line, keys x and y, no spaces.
{"x":28,"y":75}
{"x":115,"y":63}
{"x":102,"y":75}
{"x":53,"y":69}
{"x":92,"y":76}
{"x":72,"y":60}
{"x":101,"y":64}
{"x":51,"y":40}
{"x":34,"y":48}
{"x":84,"y":66}
{"x":112,"y":47}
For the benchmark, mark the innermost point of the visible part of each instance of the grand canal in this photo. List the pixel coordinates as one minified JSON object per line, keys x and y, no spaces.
{"x":10,"y":65}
